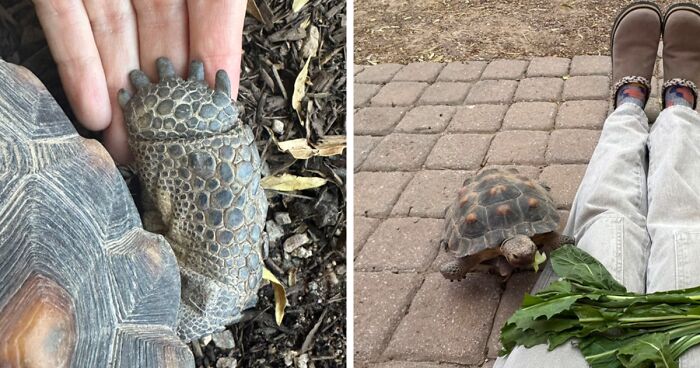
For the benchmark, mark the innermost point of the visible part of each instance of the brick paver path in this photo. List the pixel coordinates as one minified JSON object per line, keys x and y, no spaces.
{"x":420,"y":130}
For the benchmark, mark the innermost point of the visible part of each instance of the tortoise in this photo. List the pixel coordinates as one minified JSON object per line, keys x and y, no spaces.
{"x":200,"y":170}
{"x":82,"y":284}
{"x":498,"y":223}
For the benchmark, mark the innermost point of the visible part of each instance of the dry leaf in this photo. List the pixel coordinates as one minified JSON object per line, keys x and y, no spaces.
{"x":252,"y":9}
{"x":261,"y":14}
{"x":300,"y":88}
{"x":289,"y":183}
{"x":328,"y":146}
{"x":280,"y":295}
{"x":298,"y":4}
{"x":305,"y":23}
{"x":310,"y":46}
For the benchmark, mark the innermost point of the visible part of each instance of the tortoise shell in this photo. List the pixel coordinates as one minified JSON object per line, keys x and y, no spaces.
{"x":81,"y":283}
{"x":494,"y":206}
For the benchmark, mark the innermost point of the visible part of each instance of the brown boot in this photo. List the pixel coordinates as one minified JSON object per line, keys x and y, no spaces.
{"x":682,"y":47}
{"x":634,"y":42}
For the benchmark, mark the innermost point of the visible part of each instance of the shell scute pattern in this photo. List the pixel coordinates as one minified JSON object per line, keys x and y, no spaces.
{"x":208,"y":194}
{"x":496,"y":205}
{"x":77,"y":271}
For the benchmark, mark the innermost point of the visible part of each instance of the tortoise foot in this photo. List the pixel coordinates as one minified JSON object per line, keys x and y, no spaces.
{"x":453,"y":270}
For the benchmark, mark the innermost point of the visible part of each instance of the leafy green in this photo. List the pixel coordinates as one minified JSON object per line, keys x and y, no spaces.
{"x":613,"y":328}
{"x":540,"y":257}
{"x":651,"y":350}
{"x":580,"y":267}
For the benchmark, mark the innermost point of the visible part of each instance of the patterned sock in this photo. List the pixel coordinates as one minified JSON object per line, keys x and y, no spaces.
{"x":679,"y":95}
{"x":634,"y":93}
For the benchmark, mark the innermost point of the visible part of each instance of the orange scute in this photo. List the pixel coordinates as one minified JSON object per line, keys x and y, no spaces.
{"x":497,"y":189}
{"x":463,"y":200}
{"x":503,"y":210}
{"x":37,"y":326}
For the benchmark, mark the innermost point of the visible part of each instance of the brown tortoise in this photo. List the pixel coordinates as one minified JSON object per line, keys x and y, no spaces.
{"x":498,"y":222}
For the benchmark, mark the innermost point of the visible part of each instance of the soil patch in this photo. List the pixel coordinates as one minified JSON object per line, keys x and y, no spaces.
{"x":391,"y":31}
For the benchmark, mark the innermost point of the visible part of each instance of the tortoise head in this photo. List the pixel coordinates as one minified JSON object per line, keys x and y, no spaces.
{"x":519,"y":251}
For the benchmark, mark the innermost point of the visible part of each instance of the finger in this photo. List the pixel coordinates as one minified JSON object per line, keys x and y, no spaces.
{"x":114,"y":29}
{"x":114,"y":139}
{"x":67,"y":29}
{"x":216,"y":37}
{"x":162,"y":30}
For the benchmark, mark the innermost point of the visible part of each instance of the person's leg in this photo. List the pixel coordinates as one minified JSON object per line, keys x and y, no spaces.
{"x":674,"y":206}
{"x":608,"y":216}
{"x":674,"y":166}
{"x":607,"y":220}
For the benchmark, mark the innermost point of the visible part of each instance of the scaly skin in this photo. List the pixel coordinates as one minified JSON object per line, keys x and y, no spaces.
{"x":200,"y":170}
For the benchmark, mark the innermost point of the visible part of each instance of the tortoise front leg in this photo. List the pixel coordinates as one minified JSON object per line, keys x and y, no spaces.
{"x":458,"y":268}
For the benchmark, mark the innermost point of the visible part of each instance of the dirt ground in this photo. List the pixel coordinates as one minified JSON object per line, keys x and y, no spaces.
{"x":403,"y":31}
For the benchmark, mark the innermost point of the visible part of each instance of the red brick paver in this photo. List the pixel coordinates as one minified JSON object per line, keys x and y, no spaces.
{"x":400,"y":151}
{"x":436,"y":330}
{"x":401,"y":244}
{"x":530,"y":116}
{"x":419,"y":72}
{"x":376,"y":192}
{"x":564,"y":181}
{"x":571,"y":146}
{"x":421,"y":129}
{"x":492,"y":91}
{"x":586,"y":88}
{"x":548,"y":67}
{"x":518,"y":147}
{"x":459,"y":151}
{"x":377,"y":120}
{"x":381,"y":300}
{"x":426,"y":119}
{"x":462,"y":72}
{"x":582,"y":114}
{"x":591,"y":65}
{"x":364,"y":226}
{"x":445,"y":93}
{"x":505,"y":69}
{"x":429,"y":193}
{"x":363,"y":146}
{"x":539,"y":89}
{"x":364,"y":92}
{"x":376,"y":74}
{"x":399,"y":94}
{"x":477,"y":118}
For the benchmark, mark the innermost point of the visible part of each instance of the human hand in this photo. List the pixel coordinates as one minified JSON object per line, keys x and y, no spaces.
{"x":96,"y":43}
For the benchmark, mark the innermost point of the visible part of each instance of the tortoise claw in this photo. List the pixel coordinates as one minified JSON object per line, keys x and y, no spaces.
{"x":196,"y":71}
{"x":165,"y":68}
{"x":223,"y":84}
{"x":139,"y":79}
{"x":123,"y":97}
